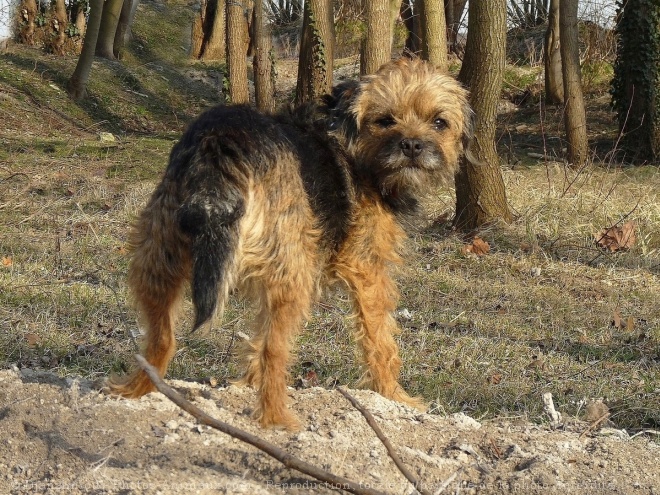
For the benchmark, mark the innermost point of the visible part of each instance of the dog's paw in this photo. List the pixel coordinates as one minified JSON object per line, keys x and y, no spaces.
{"x":278,"y":418}
{"x":131,"y":386}
{"x":402,"y":396}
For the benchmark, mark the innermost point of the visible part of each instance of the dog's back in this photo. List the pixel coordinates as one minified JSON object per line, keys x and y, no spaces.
{"x":239,"y":175}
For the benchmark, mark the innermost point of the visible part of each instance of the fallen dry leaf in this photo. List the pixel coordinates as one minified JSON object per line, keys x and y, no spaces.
{"x":495,"y":379}
{"x":478,"y":247}
{"x":32,"y":339}
{"x":617,"y":238}
{"x":6,"y":261}
{"x":620,"y":323}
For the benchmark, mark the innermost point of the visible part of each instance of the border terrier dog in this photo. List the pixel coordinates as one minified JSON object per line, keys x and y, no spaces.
{"x":279,"y":205}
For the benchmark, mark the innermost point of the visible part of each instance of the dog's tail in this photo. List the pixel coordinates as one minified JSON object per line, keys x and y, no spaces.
{"x":210,"y":217}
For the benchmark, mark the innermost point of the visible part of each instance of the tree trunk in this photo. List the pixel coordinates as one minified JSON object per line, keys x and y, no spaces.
{"x":77,"y":85}
{"x":108,"y":28}
{"x":376,"y":47}
{"x":554,"y":84}
{"x":214,"y":46}
{"x":575,"y":121}
{"x":480,"y":193}
{"x":28,"y":14}
{"x":454,"y":11}
{"x":58,"y":22}
{"x":434,"y":46}
{"x":123,"y":32}
{"x":262,"y":62}
{"x":81,"y":21}
{"x":395,"y":10}
{"x":636,"y":79}
{"x":411,"y":21}
{"x":197,"y":35}
{"x":316,"y":51}
{"x":237,"y":42}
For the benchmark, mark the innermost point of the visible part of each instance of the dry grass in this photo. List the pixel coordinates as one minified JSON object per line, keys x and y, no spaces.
{"x":487,"y":335}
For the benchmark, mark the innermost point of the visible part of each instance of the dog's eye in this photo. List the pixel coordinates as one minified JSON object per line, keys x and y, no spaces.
{"x":385,"y":122}
{"x":440,"y":123}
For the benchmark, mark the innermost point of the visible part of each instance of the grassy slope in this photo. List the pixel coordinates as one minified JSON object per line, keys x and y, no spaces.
{"x":486,"y":335}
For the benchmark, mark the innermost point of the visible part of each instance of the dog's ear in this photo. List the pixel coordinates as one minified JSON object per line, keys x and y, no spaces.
{"x":342,"y":96}
{"x":338,"y":105}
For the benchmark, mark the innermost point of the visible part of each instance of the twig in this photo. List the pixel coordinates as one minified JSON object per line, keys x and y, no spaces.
{"x":594,"y":425}
{"x":290,"y":461}
{"x":379,"y":433}
{"x":447,"y":482}
{"x":643,"y":432}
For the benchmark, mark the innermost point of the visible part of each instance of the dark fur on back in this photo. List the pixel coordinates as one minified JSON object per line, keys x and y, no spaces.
{"x":211,"y":160}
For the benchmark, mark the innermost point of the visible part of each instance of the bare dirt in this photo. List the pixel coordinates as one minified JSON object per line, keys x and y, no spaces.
{"x":63,"y":435}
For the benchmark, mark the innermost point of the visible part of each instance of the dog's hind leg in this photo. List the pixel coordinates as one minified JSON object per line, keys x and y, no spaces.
{"x":287,"y":267}
{"x":159,"y":267}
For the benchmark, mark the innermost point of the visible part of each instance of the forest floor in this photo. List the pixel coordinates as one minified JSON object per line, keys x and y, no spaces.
{"x":483,"y":336}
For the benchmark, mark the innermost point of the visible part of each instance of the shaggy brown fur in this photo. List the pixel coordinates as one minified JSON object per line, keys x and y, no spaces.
{"x":276,"y":205}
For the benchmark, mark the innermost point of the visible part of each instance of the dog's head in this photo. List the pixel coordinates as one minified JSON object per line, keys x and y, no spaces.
{"x":407,"y":125}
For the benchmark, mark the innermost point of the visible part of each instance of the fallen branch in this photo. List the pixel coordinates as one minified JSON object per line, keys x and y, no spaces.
{"x":379,"y":433}
{"x":290,"y":461}
{"x":594,"y":425}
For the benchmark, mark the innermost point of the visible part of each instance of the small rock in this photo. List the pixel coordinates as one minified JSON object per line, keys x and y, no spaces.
{"x":107,"y":137}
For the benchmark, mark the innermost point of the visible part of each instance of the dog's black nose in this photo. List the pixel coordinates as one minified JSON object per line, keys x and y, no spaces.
{"x":412,"y":148}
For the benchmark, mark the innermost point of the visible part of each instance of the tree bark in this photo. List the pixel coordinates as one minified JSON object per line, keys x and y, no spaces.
{"x":108,"y":28}
{"x":434,"y":46}
{"x":262,"y":62}
{"x":237,"y":42}
{"x":214,"y":47}
{"x":58,"y":21}
{"x":81,"y":21}
{"x":454,"y":11}
{"x":480,"y":193}
{"x":554,"y":84}
{"x":29,"y":14}
{"x":376,"y":47}
{"x":635,"y":92}
{"x":575,"y":120}
{"x":316,"y":51}
{"x":77,"y":85}
{"x":123,"y":32}
{"x":411,"y":21}
{"x":197,"y":35}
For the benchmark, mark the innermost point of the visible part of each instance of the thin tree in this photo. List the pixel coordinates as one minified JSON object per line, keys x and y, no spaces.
{"x":453,"y":13}
{"x":554,"y":84}
{"x":237,"y":43}
{"x":316,"y":51}
{"x":480,"y":193}
{"x":376,"y":46}
{"x":410,"y":16}
{"x":109,"y":21}
{"x":58,"y":22}
{"x":635,"y":87}
{"x":215,"y":45}
{"x":434,"y":36}
{"x":262,"y":61}
{"x":29,"y":10}
{"x":77,"y":85}
{"x":575,"y":119}
{"x":124,"y":26}
{"x":208,"y":33}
